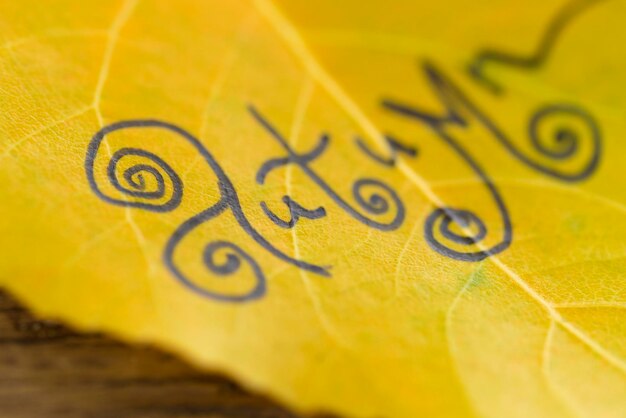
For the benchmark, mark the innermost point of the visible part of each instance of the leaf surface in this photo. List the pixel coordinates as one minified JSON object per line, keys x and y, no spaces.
{"x":371,"y":208}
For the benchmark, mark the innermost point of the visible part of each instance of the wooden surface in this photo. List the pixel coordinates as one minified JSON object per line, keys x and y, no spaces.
{"x":46,"y":370}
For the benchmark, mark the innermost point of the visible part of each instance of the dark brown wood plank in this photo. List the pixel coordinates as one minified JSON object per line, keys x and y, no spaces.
{"x":47,"y":370}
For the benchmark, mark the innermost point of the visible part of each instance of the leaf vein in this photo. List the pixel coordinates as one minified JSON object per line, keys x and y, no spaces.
{"x":298,"y":47}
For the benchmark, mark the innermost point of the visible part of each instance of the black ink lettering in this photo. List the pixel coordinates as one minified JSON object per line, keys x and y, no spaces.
{"x":554,"y":30}
{"x":458,"y":106}
{"x":448,"y":215}
{"x":395,"y":147}
{"x":135,"y":180}
{"x":229,"y":200}
{"x":565,"y":141}
{"x":296,"y":211}
{"x":374,"y":204}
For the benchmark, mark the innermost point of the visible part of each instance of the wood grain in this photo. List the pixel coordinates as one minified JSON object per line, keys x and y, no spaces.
{"x":47,"y":370}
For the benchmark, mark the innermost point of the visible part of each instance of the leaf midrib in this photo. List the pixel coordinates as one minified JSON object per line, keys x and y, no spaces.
{"x":290,"y":36}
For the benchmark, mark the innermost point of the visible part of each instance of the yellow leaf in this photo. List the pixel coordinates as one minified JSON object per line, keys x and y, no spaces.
{"x":372,"y":208}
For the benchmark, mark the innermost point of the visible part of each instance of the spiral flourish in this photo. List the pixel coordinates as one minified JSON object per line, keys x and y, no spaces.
{"x":565,"y":143}
{"x":231,"y":265}
{"x":461,"y":111}
{"x":374,"y":204}
{"x":148,"y":180}
{"x":135,"y":180}
{"x":473,"y":229}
